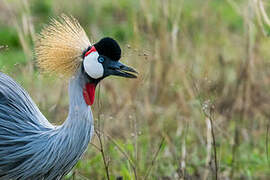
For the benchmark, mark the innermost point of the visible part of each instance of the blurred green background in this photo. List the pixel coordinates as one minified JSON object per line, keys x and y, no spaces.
{"x":200,"y":106}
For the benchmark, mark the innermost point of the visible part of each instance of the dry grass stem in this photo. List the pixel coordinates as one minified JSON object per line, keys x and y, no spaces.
{"x":154,"y":159}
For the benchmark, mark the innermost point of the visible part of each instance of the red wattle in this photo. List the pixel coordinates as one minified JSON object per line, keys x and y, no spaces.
{"x":89,"y":93}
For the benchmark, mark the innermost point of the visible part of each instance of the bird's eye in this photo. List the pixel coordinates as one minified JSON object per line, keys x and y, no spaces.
{"x":100,"y":59}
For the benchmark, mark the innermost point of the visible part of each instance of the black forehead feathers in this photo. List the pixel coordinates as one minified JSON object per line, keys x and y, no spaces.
{"x":108,"y":47}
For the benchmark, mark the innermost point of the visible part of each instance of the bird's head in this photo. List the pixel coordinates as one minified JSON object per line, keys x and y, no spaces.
{"x":63,"y":47}
{"x":102,"y":60}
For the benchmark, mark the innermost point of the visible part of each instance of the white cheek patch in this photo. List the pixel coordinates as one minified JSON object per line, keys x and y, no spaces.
{"x":92,"y":67}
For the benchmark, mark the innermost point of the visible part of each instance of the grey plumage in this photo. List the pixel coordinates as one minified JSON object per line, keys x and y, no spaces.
{"x":31,"y":147}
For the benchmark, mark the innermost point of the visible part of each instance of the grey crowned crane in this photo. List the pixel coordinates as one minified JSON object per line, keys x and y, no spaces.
{"x":30,"y":146}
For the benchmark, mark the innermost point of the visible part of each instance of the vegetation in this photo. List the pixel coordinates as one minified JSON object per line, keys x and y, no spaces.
{"x":200,"y":107}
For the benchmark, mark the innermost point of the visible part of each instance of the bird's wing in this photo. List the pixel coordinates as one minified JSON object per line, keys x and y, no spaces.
{"x":17,"y":108}
{"x":20,"y":121}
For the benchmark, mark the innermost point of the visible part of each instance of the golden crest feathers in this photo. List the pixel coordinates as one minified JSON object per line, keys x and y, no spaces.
{"x":60,"y":45}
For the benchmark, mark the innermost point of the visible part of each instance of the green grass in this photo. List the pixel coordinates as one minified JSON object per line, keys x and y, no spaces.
{"x":12,"y":58}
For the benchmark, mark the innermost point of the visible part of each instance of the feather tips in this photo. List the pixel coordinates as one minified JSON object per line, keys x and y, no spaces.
{"x":60,"y":45}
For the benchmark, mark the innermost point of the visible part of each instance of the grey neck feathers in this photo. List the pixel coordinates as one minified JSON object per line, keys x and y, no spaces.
{"x":76,"y":132}
{"x":79,"y":112}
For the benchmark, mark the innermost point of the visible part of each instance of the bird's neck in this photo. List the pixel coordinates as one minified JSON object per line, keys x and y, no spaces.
{"x":78,"y":126}
{"x":70,"y":140}
{"x":79,"y":112}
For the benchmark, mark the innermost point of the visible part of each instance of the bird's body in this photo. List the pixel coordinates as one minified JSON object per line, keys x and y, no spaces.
{"x":32,"y":148}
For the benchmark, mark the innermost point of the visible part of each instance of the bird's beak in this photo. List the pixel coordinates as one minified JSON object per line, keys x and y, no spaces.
{"x":116,"y":68}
